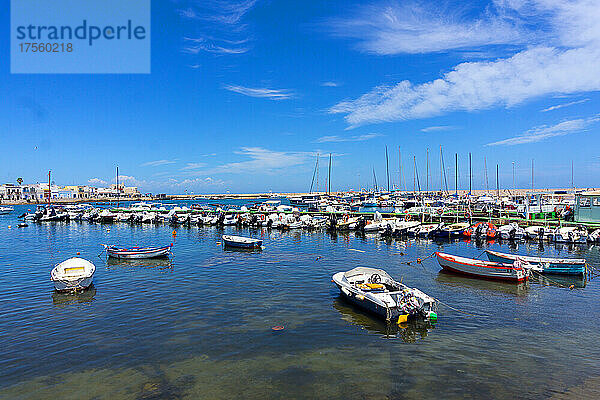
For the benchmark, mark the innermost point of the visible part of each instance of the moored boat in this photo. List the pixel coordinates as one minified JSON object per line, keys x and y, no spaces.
{"x":241,"y":242}
{"x":376,"y":291}
{"x":138,"y":252}
{"x":5,"y":210}
{"x":483,"y":269}
{"x":73,"y":274}
{"x":573,"y":266}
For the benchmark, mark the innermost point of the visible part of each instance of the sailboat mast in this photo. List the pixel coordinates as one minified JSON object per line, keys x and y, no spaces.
{"x":427,"y":172}
{"x":487,"y":187}
{"x":497,"y":183}
{"x":375,"y":180}
{"x":470,"y":175}
{"x":118,"y":192}
{"x":456,"y":173}
{"x":49,"y":188}
{"x":399,"y":169}
{"x":572,"y":181}
{"x":417,"y":174}
{"x":329,"y":176}
{"x":441,"y":171}
{"x":532,"y":175}
{"x":314,"y":173}
{"x":387,"y":169}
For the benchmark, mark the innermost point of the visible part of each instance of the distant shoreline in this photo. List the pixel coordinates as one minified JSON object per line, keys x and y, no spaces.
{"x":249,"y":196}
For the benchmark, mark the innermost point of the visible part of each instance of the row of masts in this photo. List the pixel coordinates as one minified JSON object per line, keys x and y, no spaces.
{"x":443,"y":175}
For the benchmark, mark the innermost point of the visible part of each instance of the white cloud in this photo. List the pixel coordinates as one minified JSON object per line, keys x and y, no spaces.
{"x":572,"y":103}
{"x":565,"y":63}
{"x":272,"y":94}
{"x":438,"y":128}
{"x":357,"y":138}
{"x":96,"y":181}
{"x":262,"y":160}
{"x":157,"y":163}
{"x":330,"y":84}
{"x":545,"y":132}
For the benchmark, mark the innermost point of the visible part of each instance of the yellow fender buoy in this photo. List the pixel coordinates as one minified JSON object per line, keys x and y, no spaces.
{"x":402,"y":319}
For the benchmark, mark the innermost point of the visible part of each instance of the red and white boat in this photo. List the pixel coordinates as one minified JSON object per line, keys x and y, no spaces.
{"x":481,"y":230}
{"x":483,"y":269}
{"x":138,"y":252}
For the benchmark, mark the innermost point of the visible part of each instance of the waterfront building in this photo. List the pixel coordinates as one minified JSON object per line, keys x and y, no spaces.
{"x":587,"y":207}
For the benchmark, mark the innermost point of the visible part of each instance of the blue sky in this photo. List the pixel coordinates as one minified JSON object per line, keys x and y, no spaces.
{"x":244,"y":94}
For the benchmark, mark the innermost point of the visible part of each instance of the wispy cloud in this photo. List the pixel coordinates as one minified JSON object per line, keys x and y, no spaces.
{"x":556,"y":107}
{"x":396,"y":27}
{"x":330,"y":84}
{"x":439,"y":128}
{"x":157,"y":163}
{"x":96,"y":181}
{"x":545,"y":132}
{"x":218,"y":26}
{"x":357,"y":138}
{"x":271,"y":94}
{"x":193,"y":166}
{"x":560,"y":63}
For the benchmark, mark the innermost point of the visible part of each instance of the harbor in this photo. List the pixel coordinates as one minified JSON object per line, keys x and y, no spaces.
{"x":170,"y":328}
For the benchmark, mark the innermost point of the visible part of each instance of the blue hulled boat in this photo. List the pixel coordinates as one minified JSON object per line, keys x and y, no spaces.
{"x":563,"y":266}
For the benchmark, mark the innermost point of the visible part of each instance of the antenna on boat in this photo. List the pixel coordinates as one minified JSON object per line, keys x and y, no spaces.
{"x":514,"y":186}
{"x":387,"y":168}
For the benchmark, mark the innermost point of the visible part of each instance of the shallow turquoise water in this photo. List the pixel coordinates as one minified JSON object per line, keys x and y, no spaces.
{"x":199,"y":325}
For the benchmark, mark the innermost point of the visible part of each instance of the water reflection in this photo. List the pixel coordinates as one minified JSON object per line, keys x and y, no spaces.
{"x":229,"y":249}
{"x":162,"y":264}
{"x":80,"y":297}
{"x":408,"y":332}
{"x":463,"y":282}
{"x":559,"y":280}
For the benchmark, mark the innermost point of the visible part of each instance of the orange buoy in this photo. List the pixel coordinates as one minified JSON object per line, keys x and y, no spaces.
{"x":78,"y":253}
{"x":174,"y":233}
{"x":572,"y":287}
{"x":419,"y":261}
{"x":277,"y":328}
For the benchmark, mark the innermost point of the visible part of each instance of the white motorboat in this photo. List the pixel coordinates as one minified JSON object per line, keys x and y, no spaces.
{"x":511,"y":232}
{"x":5,"y":210}
{"x":230,"y":220}
{"x":570,"y":234}
{"x":376,"y":291}
{"x":73,"y":274}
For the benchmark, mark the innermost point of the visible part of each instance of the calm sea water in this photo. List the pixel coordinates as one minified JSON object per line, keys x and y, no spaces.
{"x":198,"y":325}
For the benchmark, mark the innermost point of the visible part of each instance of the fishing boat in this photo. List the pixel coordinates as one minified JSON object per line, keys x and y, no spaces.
{"x":5,"y":210}
{"x":452,"y":230}
{"x":564,"y":266}
{"x":138,"y":252}
{"x":483,"y":269}
{"x":376,"y":291}
{"x":242,"y":242}
{"x":73,"y":274}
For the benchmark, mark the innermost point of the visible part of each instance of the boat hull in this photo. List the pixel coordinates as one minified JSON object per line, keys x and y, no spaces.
{"x":242,"y":245}
{"x":549,"y":266}
{"x":79,"y":284}
{"x":138,"y":253}
{"x":481,"y":269}
{"x":367,"y":305}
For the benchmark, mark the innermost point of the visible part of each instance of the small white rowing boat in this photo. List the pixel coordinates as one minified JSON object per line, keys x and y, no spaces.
{"x":515,"y":272}
{"x":73,"y":274}
{"x":242,"y":242}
